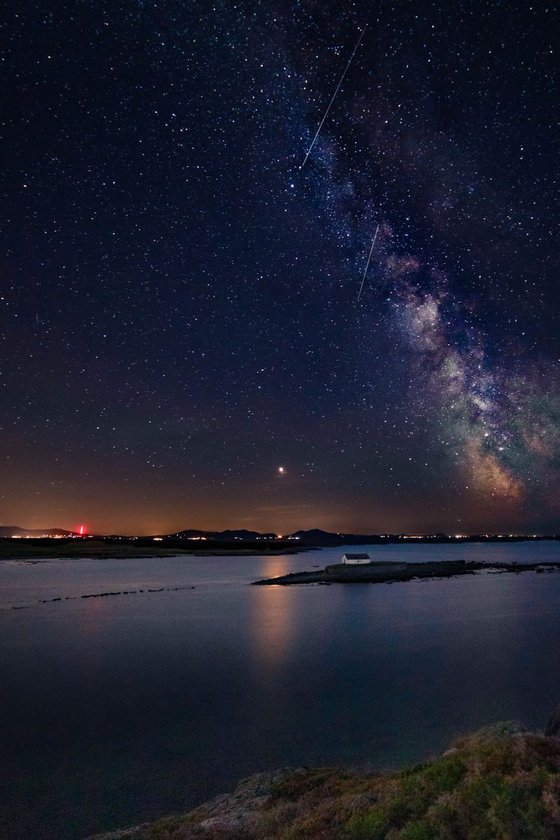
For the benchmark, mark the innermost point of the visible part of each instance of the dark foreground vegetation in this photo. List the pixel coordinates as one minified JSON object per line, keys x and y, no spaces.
{"x":502,"y":783}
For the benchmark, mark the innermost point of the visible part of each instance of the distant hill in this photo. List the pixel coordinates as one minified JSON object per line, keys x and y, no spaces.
{"x":312,"y":537}
{"x":189,"y":533}
{"x":221,"y":536}
{"x":16,"y":531}
{"x":243,"y":534}
{"x":317,"y":537}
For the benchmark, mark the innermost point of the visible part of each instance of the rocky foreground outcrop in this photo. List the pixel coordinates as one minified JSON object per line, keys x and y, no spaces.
{"x":503,"y":783}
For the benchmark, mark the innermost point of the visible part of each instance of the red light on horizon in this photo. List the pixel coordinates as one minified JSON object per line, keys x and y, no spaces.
{"x":82,"y":530}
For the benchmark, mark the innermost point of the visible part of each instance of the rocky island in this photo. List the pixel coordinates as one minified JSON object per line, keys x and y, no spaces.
{"x":389,"y":572}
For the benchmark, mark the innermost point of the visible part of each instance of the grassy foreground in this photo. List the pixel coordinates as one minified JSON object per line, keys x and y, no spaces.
{"x":502,"y":783}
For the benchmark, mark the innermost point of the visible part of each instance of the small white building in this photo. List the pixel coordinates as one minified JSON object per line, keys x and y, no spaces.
{"x":355,"y":559}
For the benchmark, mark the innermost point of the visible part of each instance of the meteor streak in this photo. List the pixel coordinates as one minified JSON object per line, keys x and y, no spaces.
{"x":368,"y":261}
{"x":325,"y":115}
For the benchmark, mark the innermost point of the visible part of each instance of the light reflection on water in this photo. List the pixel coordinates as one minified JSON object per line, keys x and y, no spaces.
{"x":120,"y":709}
{"x":273,"y":627}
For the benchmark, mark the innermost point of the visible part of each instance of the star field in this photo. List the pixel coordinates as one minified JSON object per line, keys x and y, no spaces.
{"x":179,"y":308}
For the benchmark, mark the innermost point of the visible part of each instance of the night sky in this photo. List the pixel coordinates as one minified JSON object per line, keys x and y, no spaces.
{"x":179,"y":313}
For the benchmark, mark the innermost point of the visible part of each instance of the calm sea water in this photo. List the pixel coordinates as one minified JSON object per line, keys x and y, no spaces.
{"x":120,"y":709}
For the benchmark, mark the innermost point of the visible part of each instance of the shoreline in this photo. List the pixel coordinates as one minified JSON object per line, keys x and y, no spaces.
{"x":99,"y":549}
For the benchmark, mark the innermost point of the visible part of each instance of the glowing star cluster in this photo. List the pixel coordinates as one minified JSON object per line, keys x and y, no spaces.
{"x":486,"y":417}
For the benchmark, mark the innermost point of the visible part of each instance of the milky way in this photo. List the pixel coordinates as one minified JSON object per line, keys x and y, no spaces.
{"x":179,"y":305}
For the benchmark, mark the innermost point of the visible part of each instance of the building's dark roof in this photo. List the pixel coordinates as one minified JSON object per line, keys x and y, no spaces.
{"x":357,"y":556}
